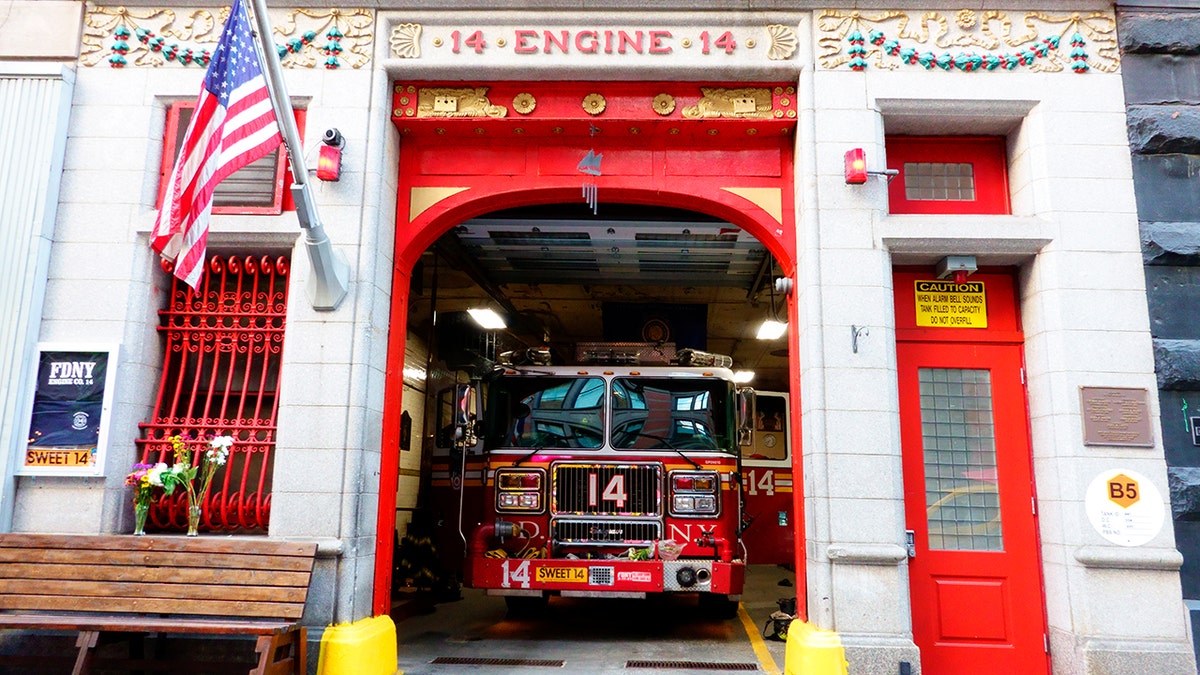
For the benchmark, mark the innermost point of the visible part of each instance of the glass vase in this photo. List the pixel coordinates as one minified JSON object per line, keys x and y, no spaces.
{"x":193,"y":520}
{"x":140,"y":511}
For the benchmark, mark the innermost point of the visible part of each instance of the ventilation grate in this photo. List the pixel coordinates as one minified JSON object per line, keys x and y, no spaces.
{"x":466,"y":661}
{"x":691,"y":665}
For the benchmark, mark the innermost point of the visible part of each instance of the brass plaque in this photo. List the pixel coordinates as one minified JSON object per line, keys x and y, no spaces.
{"x":1116,"y":416}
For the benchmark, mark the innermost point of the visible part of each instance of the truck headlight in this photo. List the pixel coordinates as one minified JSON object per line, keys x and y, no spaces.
{"x":694,"y":493}
{"x":519,"y":489}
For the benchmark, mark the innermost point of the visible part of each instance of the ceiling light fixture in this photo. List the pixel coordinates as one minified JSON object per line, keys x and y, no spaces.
{"x":743,"y":376}
{"x":773,"y":328}
{"x":487,"y":318}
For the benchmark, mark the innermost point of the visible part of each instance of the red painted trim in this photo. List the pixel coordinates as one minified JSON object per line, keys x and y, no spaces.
{"x":389,"y":455}
{"x":985,"y":153}
{"x":798,"y":511}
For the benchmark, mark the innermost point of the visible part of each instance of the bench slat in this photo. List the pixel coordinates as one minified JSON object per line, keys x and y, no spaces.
{"x":122,"y":623}
{"x":182,"y":591}
{"x":215,"y":608}
{"x":171,"y":559}
{"x":140,"y":574}
{"x":209,"y":544}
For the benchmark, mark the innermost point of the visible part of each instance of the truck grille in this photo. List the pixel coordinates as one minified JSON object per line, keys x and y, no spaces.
{"x":614,"y":532}
{"x":607,"y":489}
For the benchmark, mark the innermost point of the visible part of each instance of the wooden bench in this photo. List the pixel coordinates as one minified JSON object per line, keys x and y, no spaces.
{"x":111,"y":588}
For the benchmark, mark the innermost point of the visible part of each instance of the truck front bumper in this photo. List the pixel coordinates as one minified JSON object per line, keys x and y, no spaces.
{"x":598,"y":578}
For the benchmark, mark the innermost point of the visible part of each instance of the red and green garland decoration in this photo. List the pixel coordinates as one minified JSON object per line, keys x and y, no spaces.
{"x":966,"y":61}
{"x":201,"y":57}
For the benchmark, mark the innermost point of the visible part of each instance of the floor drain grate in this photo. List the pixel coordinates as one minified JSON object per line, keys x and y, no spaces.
{"x":463,"y":661}
{"x":691,"y":665}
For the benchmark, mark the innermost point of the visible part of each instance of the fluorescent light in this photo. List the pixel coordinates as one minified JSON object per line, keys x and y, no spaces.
{"x":771,"y":330}
{"x":743,"y":376}
{"x":487,"y":318}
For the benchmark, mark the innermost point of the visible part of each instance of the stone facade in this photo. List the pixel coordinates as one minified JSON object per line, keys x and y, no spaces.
{"x":1072,"y":234}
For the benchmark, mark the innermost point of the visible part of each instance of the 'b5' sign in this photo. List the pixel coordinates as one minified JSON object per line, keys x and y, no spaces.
{"x":1123,"y":491}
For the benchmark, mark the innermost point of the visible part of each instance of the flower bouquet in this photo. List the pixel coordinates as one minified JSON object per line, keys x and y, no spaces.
{"x":186,"y":472}
{"x":147,"y":479}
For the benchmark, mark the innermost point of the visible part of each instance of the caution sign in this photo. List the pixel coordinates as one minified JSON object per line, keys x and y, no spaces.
{"x":945,"y":304}
{"x":1124,"y":507}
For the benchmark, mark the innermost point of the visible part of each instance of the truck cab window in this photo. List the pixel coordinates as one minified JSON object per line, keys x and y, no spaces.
{"x":664,"y":413}
{"x":548,"y":413}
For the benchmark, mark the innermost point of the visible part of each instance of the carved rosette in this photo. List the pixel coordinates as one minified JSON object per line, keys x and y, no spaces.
{"x":745,"y":103}
{"x":457,"y":102}
{"x":304,"y":38}
{"x":406,"y":41}
{"x":664,"y":104}
{"x":594,"y":104}
{"x":524,"y":103}
{"x":969,"y":40}
{"x":783,"y":42}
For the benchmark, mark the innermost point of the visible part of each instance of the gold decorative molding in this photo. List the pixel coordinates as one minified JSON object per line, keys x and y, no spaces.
{"x":457,"y":102}
{"x":311,"y":38}
{"x":969,"y":40}
{"x":748,"y":102}
{"x":406,"y":41}
{"x":767,"y":199}
{"x":420,"y":199}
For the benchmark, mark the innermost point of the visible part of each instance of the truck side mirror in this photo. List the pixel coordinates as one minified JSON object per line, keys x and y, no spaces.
{"x":745,"y":416}
{"x":465,"y":427}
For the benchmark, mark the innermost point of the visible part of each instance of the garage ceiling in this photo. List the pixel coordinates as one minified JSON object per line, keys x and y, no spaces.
{"x":551,"y":269}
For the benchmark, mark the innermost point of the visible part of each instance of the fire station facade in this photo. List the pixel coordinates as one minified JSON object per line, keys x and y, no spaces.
{"x":980,"y":476}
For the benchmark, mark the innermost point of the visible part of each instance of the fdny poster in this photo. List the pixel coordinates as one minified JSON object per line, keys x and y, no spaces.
{"x":68,"y":424}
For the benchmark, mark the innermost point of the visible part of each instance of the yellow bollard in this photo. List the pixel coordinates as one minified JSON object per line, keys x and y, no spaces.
{"x":365,"y":647}
{"x":812,"y":651}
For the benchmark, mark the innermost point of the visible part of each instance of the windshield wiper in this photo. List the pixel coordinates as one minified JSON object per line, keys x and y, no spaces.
{"x":666,"y":442}
{"x":528,"y":457}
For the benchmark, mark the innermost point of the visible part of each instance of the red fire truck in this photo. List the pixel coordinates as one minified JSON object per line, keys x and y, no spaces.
{"x":619,"y":476}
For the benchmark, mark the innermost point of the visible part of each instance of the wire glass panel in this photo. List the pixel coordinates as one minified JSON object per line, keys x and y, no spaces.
{"x":938,"y":181}
{"x":961,"y":494}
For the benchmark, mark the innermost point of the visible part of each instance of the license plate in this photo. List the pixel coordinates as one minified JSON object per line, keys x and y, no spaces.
{"x":570,"y":575}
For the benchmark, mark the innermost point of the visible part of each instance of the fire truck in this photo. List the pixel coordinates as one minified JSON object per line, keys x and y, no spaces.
{"x":618,"y":476}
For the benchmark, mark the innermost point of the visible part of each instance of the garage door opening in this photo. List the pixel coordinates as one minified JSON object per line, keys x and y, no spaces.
{"x":675,"y":256}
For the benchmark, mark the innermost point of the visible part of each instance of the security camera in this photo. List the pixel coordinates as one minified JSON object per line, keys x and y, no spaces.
{"x":334,"y":138}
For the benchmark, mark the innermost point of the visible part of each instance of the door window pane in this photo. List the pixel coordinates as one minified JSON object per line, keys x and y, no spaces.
{"x":961,"y":491}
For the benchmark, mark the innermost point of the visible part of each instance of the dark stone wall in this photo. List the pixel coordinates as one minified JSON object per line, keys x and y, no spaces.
{"x":1160,"y":65}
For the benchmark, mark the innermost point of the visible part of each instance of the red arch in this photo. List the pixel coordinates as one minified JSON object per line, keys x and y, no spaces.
{"x":518,"y":174}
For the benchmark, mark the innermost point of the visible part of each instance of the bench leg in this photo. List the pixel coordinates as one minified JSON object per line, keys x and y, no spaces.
{"x":282,"y":653}
{"x":86,"y":642}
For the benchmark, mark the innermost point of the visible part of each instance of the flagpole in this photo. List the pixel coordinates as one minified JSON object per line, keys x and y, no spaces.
{"x":330,"y":271}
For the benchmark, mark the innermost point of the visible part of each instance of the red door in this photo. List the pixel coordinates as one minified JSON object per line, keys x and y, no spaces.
{"x":975,"y":578}
{"x":770,"y":534}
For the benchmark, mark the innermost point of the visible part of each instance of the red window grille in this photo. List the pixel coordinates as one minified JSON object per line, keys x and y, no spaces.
{"x":220,"y":376}
{"x":948,"y":174}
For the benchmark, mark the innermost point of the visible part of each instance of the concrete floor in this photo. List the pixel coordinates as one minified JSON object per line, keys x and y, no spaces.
{"x":583,"y":635}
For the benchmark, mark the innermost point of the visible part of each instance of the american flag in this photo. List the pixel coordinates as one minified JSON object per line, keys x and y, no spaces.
{"x":234,"y":124}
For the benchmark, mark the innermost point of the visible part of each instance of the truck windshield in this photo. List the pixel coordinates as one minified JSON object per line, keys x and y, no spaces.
{"x":546,"y":412}
{"x":651,"y":413}
{"x":648,"y":413}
